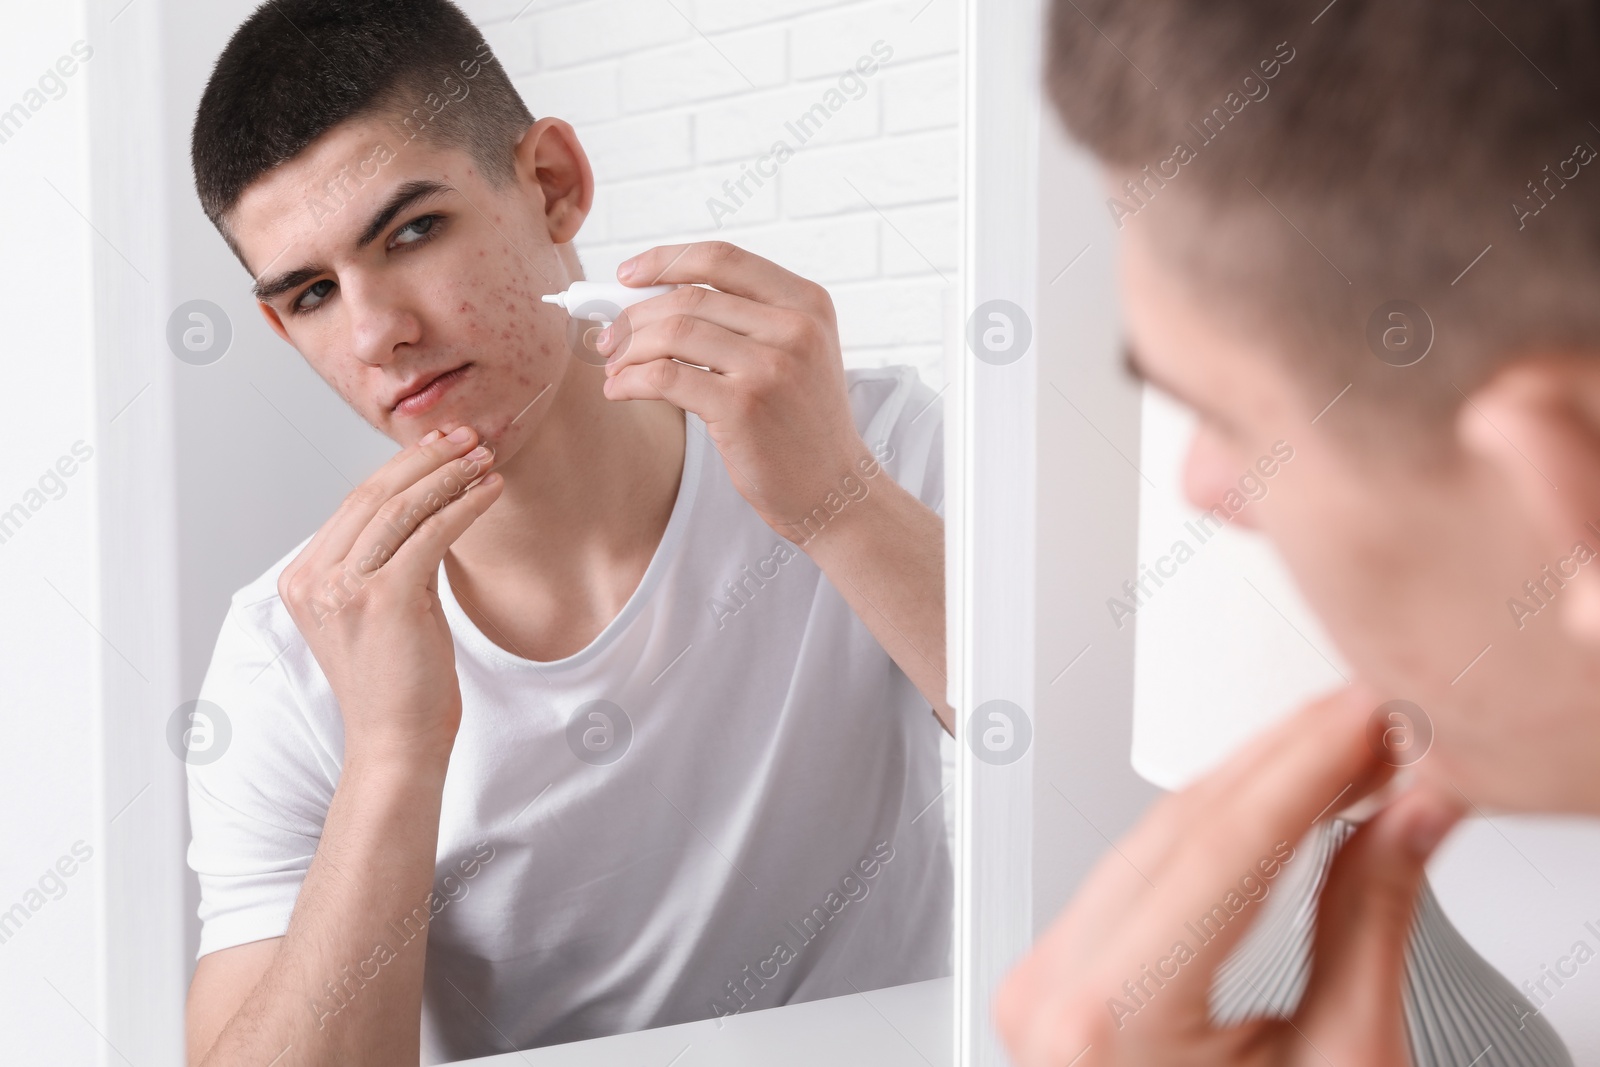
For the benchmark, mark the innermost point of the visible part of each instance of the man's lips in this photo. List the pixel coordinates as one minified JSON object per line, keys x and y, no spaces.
{"x":418,"y":394}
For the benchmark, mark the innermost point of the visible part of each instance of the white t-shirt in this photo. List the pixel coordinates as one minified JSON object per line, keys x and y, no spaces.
{"x":769,"y":828}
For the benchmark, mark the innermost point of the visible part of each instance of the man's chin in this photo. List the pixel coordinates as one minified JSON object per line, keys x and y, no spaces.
{"x":406,"y":432}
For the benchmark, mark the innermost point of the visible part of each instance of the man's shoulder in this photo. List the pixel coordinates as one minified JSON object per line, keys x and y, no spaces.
{"x":880,"y":394}
{"x":900,"y":418}
{"x":267,"y":683}
{"x":257,"y":603}
{"x":886,"y":400}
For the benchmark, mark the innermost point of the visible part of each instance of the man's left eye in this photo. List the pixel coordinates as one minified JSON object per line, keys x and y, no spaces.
{"x":415,"y":230}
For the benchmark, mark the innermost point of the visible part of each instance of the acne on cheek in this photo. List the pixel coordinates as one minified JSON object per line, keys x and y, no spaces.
{"x":523,"y":378}
{"x":543,"y":359}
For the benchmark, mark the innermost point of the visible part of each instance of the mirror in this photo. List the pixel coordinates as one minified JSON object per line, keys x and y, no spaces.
{"x":662,"y":736}
{"x":688,"y":782}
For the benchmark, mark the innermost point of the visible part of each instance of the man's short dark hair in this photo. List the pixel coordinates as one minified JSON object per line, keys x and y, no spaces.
{"x":297,"y":68}
{"x":1343,"y":155}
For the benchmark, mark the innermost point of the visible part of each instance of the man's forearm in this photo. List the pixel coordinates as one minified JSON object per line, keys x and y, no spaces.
{"x":885,"y":553}
{"x":346,"y":984}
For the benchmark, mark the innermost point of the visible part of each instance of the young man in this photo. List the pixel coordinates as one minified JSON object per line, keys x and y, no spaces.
{"x":580,"y":715}
{"x":1370,"y":230}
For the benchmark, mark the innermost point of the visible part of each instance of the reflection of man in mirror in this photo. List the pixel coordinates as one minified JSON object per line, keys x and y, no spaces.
{"x":634,"y":655}
{"x":1377,"y":239}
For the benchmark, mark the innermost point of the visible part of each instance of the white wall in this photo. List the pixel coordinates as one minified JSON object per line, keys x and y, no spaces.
{"x":1085,"y":792}
{"x":48,"y":774}
{"x":86,"y":779}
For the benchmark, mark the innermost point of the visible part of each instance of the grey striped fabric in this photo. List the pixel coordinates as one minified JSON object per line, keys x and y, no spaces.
{"x":1460,"y":1011}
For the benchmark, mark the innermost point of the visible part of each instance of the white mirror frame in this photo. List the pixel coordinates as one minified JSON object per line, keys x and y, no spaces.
{"x":144,"y":824}
{"x":991,"y":511}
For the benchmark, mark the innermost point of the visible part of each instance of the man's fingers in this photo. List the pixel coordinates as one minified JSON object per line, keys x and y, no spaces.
{"x":416,"y":561}
{"x":706,"y":393}
{"x":1114,"y":887}
{"x":689,"y":338}
{"x":319,"y":539}
{"x":1214,"y":858}
{"x":333,"y":543}
{"x":398,"y":518}
{"x":1303,"y":769}
{"x":1365,"y":770}
{"x":762,"y":323}
{"x":1195,"y":847}
{"x":724,"y":266}
{"x":1140,"y":945}
{"x":1297,"y":756}
{"x":1364,"y":922}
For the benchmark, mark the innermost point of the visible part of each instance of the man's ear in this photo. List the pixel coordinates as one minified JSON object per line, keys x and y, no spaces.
{"x":1538,"y":423}
{"x":270,"y":313}
{"x":549,"y":158}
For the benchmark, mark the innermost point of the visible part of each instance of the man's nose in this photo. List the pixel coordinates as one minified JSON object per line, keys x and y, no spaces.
{"x":380,"y":321}
{"x":1209,"y":475}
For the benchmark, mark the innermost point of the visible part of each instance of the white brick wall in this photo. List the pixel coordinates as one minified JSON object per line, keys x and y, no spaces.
{"x":677,"y":100}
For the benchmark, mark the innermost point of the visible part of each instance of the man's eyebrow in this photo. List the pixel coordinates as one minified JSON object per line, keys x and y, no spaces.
{"x":264,"y":291}
{"x":1135,"y":369}
{"x":1133,"y":366}
{"x":403,"y":197}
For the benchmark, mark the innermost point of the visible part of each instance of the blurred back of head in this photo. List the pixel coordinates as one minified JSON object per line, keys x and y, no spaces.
{"x":1302,"y":169}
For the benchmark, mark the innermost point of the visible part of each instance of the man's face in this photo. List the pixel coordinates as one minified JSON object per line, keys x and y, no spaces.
{"x":388,"y":262}
{"x":1410,"y":567}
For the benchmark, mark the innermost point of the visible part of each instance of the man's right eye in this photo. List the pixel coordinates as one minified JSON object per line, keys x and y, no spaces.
{"x":312,"y":298}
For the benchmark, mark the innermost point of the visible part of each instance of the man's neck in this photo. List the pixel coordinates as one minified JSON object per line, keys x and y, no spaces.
{"x":586,"y":500}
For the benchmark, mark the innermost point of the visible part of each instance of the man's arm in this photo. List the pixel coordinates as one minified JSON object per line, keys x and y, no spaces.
{"x":758,"y":359}
{"x":885,"y":553}
{"x":344,"y":984}
{"x":222,"y":980}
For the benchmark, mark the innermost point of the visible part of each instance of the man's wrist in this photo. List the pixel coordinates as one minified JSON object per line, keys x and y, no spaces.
{"x":394,"y":769}
{"x":846,"y":511}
